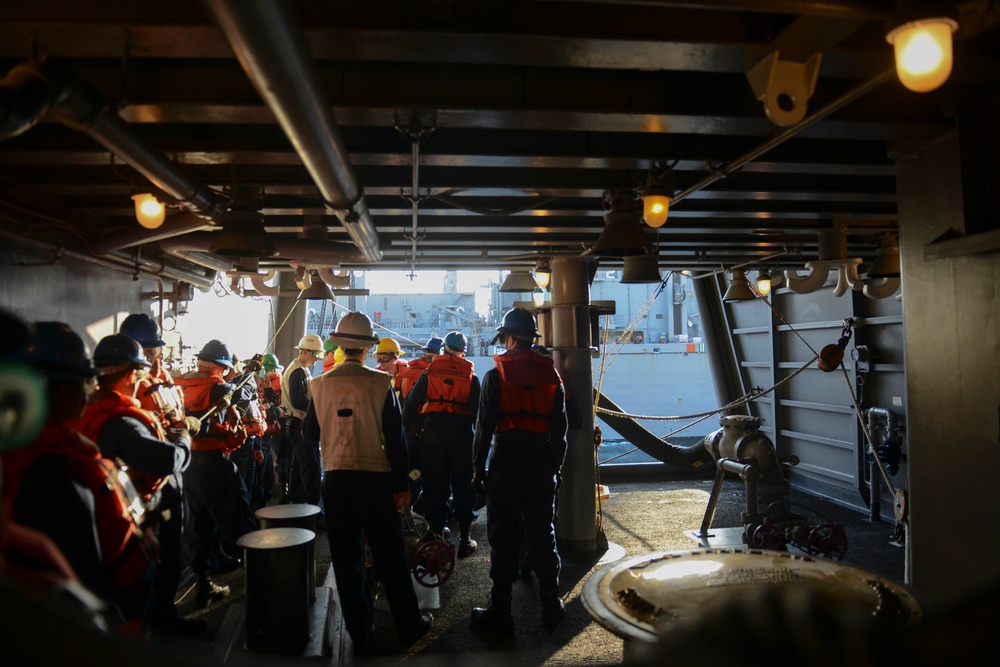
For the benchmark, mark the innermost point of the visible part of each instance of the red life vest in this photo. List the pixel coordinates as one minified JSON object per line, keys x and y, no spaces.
{"x":126,"y":549}
{"x":158,"y":394}
{"x":449,"y":382}
{"x":528,"y":384}
{"x":409,"y":375}
{"x":110,"y":404}
{"x":394,"y":367}
{"x":224,"y":428}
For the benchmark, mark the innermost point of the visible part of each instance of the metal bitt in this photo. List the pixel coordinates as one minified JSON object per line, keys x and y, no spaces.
{"x":276,"y":564}
{"x":576,"y":529}
{"x":295,"y":515}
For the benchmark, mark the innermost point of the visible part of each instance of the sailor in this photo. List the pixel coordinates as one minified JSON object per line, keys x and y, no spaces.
{"x":281,"y":448}
{"x":305,"y":472}
{"x":261,"y":485}
{"x":97,"y":523}
{"x":32,"y":568}
{"x":217,"y":497}
{"x":414,"y":369}
{"x":446,"y":399}
{"x":523,"y":403}
{"x":329,"y":355}
{"x":355,"y":415}
{"x":158,"y":394}
{"x":126,"y":432}
{"x":387,"y":354}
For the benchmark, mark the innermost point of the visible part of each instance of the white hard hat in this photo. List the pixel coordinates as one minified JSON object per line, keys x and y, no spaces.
{"x":354,"y":331}
{"x":311,"y":342}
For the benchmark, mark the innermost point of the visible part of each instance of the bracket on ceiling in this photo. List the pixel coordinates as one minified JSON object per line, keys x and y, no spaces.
{"x":784,"y":86}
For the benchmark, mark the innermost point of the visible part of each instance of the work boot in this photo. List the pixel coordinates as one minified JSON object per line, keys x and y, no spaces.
{"x":496,"y":615}
{"x":209,"y":592}
{"x":225,"y":561}
{"x":466,"y":546}
{"x":553,"y":609}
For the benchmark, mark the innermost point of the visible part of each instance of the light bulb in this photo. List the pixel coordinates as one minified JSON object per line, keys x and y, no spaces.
{"x":764,"y":282}
{"x":655,"y":209}
{"x":923,"y":52}
{"x":148,"y":211}
{"x":542,"y":277}
{"x":538,"y":296}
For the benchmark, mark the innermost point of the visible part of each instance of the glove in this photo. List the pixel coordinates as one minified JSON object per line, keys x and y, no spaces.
{"x":193,"y":425}
{"x":225,"y":401}
{"x":258,"y":457}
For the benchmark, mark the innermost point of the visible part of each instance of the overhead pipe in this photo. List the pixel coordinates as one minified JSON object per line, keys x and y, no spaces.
{"x":176,"y":225}
{"x":40,"y":88}
{"x":330,"y":253}
{"x":272,"y":48}
{"x":121,"y":262}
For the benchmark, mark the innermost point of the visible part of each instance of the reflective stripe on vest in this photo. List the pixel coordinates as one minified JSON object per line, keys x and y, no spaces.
{"x":528,"y":384}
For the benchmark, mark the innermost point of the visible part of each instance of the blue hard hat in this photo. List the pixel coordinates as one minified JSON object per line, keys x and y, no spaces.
{"x":217,"y":352}
{"x":520,"y":323}
{"x":143,"y":328}
{"x":434,"y":345}
{"x":119,"y":349}
{"x":57,"y":351}
{"x":456,"y":341}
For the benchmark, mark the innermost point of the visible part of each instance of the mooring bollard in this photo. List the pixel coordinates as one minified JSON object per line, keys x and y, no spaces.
{"x":277,"y":564}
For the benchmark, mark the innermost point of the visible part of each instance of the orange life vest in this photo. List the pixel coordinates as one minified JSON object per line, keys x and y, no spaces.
{"x":126,"y":549}
{"x":449,"y":382}
{"x":528,"y":384}
{"x":110,"y":404}
{"x":394,"y":367}
{"x":268,"y":408}
{"x":409,"y":375}
{"x":224,"y":429}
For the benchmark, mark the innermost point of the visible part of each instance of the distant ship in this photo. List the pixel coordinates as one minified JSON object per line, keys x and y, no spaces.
{"x":658,"y":368}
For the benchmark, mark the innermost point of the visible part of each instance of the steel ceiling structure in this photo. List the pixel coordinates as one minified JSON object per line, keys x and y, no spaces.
{"x":308,"y":118}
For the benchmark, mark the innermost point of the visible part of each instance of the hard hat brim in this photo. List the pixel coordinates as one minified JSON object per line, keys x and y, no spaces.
{"x":353,"y":341}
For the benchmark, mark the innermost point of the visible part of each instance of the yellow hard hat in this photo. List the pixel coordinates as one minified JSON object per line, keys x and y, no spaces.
{"x":338,"y":356}
{"x":388,"y":345}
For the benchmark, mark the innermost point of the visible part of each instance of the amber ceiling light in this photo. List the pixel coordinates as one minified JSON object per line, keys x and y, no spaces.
{"x":923,"y":52}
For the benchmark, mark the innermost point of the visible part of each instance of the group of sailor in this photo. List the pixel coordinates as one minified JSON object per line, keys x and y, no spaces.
{"x":133,"y":459}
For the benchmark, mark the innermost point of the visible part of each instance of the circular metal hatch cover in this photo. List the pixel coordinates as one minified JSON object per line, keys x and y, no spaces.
{"x":643,"y":596}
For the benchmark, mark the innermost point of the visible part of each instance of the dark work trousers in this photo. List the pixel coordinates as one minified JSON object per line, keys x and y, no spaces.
{"x":281,"y":449}
{"x":217,"y":498}
{"x":168,"y":569}
{"x":446,"y":470}
{"x":257,"y":477}
{"x":305,"y":473}
{"x":360,"y":506}
{"x":521,"y":492}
